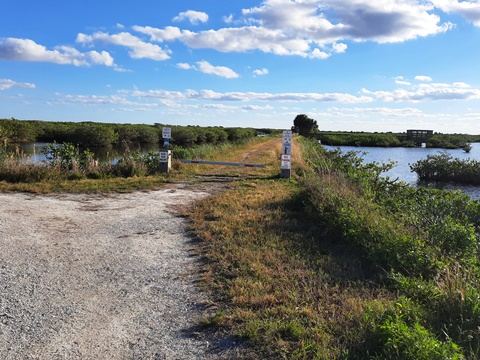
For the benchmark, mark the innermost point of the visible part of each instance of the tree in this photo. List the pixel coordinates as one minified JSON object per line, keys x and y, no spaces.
{"x":304,"y":125}
{"x":97,"y":135}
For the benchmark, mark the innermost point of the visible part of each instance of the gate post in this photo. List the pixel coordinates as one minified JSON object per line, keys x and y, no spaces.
{"x":165,"y":154}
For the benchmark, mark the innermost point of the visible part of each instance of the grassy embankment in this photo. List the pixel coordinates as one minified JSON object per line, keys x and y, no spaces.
{"x":341,"y":264}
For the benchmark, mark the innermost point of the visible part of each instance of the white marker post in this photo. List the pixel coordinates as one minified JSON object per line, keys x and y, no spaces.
{"x":286,"y":159}
{"x":165,"y":154}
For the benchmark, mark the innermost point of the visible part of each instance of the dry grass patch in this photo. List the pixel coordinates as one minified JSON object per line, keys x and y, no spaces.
{"x":257,"y":151}
{"x":280,"y":283}
{"x":88,"y":185}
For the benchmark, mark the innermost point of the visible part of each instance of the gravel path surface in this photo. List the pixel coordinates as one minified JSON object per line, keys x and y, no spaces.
{"x":100,"y":277}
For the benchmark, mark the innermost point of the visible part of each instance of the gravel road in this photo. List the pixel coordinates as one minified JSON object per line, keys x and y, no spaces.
{"x":100,"y":277}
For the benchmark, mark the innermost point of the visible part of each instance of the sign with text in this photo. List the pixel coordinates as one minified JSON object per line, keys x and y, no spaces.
{"x":166,"y":133}
{"x":286,"y":159}
{"x":163,"y":156}
{"x":287,"y":136}
{"x":286,"y":162}
{"x":287,"y":149}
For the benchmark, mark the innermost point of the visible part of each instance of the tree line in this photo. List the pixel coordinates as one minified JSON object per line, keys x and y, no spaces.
{"x":93,"y":134}
{"x":308,"y":127}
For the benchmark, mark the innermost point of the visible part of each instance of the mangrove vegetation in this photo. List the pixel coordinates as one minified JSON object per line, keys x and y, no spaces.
{"x":444,"y":141}
{"x":90,"y":134}
{"x":443,"y":167}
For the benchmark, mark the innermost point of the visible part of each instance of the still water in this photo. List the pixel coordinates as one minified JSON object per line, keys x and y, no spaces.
{"x":34,"y":151}
{"x":403,"y":157}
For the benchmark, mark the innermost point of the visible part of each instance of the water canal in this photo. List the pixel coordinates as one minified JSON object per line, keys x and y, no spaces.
{"x":403,"y":157}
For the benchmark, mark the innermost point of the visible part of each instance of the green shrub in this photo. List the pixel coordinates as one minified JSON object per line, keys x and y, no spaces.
{"x":68,"y":156}
{"x":398,"y":332}
{"x":443,"y":167}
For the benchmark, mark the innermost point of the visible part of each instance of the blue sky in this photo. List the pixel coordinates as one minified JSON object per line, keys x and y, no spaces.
{"x":354,"y":65}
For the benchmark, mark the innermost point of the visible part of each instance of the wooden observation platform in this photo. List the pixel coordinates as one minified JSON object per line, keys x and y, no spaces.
{"x":418,"y":137}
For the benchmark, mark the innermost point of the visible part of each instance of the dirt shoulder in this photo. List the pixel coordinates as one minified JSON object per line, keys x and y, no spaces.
{"x":100,"y":277}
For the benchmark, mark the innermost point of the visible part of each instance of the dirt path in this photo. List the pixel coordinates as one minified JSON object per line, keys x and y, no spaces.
{"x":100,"y":277}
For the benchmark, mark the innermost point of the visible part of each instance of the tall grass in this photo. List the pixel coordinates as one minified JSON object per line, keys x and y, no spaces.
{"x":64,"y":162}
{"x":204,"y":151}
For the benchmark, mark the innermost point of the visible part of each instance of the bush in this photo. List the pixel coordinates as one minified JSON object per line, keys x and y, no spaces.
{"x":360,"y":139}
{"x":443,"y":167}
{"x":68,"y":157}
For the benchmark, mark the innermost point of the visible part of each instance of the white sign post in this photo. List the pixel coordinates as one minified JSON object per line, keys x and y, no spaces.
{"x":165,"y":154}
{"x":286,"y":164}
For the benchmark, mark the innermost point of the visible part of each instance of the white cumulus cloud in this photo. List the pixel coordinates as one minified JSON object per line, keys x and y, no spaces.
{"x":184,"y":66}
{"x":427,"y":91}
{"x":318,"y":54}
{"x":29,"y":50}
{"x":259,"y":72}
{"x":207,"y":68}
{"x":193,"y":16}
{"x":138,"y":48}
{"x":423,"y":78}
{"x":470,"y":10}
{"x":6,"y":84}
{"x":401,"y":81}
{"x":339,"y":47}
{"x":310,"y":28}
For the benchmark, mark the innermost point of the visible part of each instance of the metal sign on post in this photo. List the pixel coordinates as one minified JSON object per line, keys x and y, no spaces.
{"x":165,"y":155}
{"x":166,"y":133}
{"x":286,"y":159}
{"x":286,"y":162}
{"x":287,"y":136}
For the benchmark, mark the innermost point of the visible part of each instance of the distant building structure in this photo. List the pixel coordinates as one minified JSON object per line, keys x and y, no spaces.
{"x":418,"y":137}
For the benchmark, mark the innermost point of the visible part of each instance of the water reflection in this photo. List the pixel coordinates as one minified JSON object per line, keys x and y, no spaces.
{"x":34,"y":152}
{"x":403,"y":157}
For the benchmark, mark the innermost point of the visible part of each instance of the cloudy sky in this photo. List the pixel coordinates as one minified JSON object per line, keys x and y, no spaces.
{"x":361,"y":65}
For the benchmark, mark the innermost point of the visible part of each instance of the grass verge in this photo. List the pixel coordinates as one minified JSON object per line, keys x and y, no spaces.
{"x":282,"y":283}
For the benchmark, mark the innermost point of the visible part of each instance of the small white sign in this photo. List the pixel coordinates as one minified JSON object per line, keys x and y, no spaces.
{"x":163,"y":156}
{"x":286,"y":162}
{"x":286,"y":165}
{"x":166,"y":133}
{"x":287,"y":136}
{"x":287,"y":149}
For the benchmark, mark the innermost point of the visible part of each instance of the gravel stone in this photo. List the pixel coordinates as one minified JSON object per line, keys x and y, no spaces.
{"x":101,"y":277}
